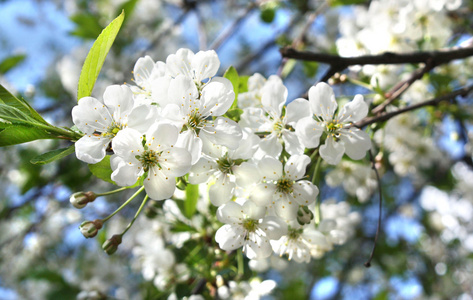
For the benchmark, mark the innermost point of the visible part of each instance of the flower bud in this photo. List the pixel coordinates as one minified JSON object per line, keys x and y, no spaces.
{"x":111,"y":245}
{"x":304,"y":215}
{"x":90,"y":229}
{"x":80,"y":199}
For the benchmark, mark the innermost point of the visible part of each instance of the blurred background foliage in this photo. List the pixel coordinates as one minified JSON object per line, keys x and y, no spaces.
{"x":424,"y":251}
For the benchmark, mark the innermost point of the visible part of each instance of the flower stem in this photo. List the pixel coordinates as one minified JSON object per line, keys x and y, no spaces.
{"x":137,"y":214}
{"x":111,"y":192}
{"x":124,"y":204}
{"x":316,"y":170}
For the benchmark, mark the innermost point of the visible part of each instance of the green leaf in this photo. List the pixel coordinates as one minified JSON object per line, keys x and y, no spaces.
{"x":102,"y":169}
{"x":288,"y":68}
{"x":13,"y":116}
{"x":19,"y":134}
{"x":267,"y":14}
{"x":88,"y":25}
{"x":8,"y":99}
{"x":128,"y":7}
{"x":310,"y":68}
{"x":232,"y":75}
{"x":53,"y":155}
{"x":243,"y":88}
{"x":96,"y":57}
{"x":10,"y":62}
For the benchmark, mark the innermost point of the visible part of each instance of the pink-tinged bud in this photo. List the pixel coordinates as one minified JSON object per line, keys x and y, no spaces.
{"x":80,"y":199}
{"x":111,"y":245}
{"x":89,"y":229}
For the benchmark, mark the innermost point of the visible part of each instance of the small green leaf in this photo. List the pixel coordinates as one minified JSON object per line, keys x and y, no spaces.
{"x":8,"y":99}
{"x":10,"y":62}
{"x":232,"y":75}
{"x":53,"y":155}
{"x":267,"y":14}
{"x":19,"y":134}
{"x":96,"y":57}
{"x":243,"y":88}
{"x":310,"y":68}
{"x":128,"y":7}
{"x":102,"y":169}
{"x":13,"y":116}
{"x":288,"y":68}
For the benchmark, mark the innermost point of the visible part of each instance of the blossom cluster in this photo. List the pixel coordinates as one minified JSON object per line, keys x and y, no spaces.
{"x":173,"y":123}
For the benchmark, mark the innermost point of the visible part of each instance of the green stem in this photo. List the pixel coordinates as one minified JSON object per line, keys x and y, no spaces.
{"x":124,"y":204}
{"x":111,"y":192}
{"x":60,"y":131}
{"x":137,"y":214}
{"x":317,"y":213}
{"x":360,"y":83}
{"x":241,"y":267}
{"x":316,"y":170}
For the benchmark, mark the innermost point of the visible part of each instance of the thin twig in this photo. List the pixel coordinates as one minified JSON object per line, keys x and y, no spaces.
{"x":227,"y":33}
{"x":373,"y":166}
{"x":435,"y":101}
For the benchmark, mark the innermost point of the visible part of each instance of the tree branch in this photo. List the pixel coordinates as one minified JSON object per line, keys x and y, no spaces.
{"x":338,"y":63}
{"x":435,"y":101}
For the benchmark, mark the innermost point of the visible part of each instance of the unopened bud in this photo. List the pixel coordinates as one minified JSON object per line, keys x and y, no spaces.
{"x":304,"y":215}
{"x":111,"y":245}
{"x":80,"y":199}
{"x":89,"y":229}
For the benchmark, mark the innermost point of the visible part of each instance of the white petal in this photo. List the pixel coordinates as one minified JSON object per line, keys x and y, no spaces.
{"x":332,"y":151}
{"x":175,"y":161}
{"x":305,"y":192}
{"x":230,"y":213}
{"x":263,"y":194}
{"x":91,"y":115}
{"x":274,"y":97}
{"x":285,"y":207}
{"x":142,"y":117}
{"x":119,"y":99}
{"x":124,"y":173}
{"x":222,"y":191}
{"x":315,"y":238}
{"x":180,"y":63}
{"x":205,"y":64}
{"x":257,"y":247}
{"x":183,"y":92}
{"x":353,"y":111}
{"x":274,"y":227}
{"x":292,"y":144}
{"x":253,"y":211}
{"x":296,"y":165}
{"x":230,"y":237}
{"x":357,"y":142}
{"x":91,"y":149}
{"x":296,"y":110}
{"x":158,"y":186}
{"x":160,"y":90}
{"x":217,"y":97}
{"x":271,"y":146}
{"x":309,"y":132}
{"x":202,"y":170}
{"x":161,"y":135}
{"x":246,"y":174}
{"x":192,"y":143}
{"x":142,"y":70}
{"x":322,"y":101}
{"x":270,"y":168}
{"x":223,"y":132}
{"x":127,"y":144}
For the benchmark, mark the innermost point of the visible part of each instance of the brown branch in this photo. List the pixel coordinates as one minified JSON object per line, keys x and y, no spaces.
{"x":338,"y":63}
{"x":435,"y":101}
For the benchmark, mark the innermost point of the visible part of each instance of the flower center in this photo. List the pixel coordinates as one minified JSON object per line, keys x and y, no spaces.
{"x":225,"y":164}
{"x":284,"y":185}
{"x":148,"y":159}
{"x":250,"y":225}
{"x":294,"y":234}
{"x":113,"y":129}
{"x":195,"y":122}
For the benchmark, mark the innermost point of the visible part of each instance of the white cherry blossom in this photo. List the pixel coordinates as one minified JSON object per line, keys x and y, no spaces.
{"x":157,"y":156}
{"x":247,"y":227}
{"x":341,"y":136}
{"x":100,"y":121}
{"x":283,"y":188}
